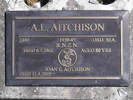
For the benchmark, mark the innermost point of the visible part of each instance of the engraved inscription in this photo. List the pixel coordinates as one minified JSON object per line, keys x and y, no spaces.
{"x":67,"y":43}
{"x":38,"y":50}
{"x":68,"y":69}
{"x":83,"y":27}
{"x":96,"y":50}
{"x":107,"y":40}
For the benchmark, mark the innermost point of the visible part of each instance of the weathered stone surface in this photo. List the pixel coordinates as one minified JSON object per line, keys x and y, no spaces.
{"x":94,"y":93}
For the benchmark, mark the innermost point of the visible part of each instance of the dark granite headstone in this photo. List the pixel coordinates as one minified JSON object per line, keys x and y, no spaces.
{"x":67,"y":48}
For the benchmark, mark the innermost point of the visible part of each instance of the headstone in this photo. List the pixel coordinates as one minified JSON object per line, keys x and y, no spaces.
{"x":67,"y":48}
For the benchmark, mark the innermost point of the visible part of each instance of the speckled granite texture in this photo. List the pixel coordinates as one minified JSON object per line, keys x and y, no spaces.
{"x":90,"y":93}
